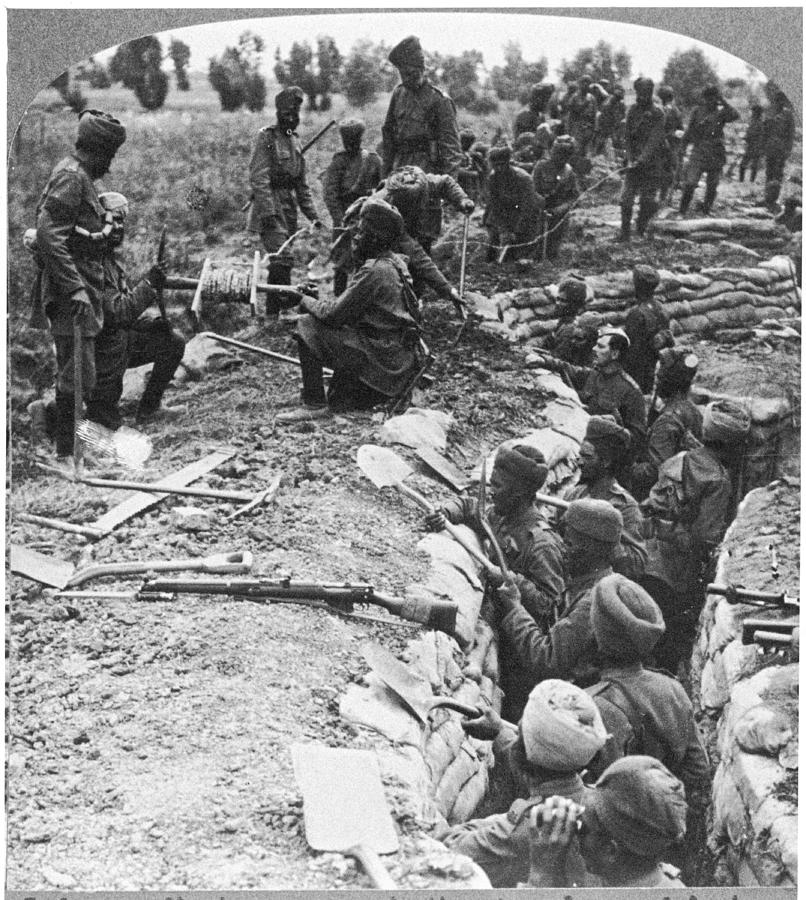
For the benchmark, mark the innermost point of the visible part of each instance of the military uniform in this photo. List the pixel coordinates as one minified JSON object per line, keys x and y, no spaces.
{"x":608,"y":123}
{"x":279,"y":186}
{"x":527,"y":120}
{"x":672,"y":123}
{"x":678,"y":427}
{"x":581,"y":120}
{"x":348,"y":177}
{"x":368,"y":336}
{"x":779,"y":136}
{"x":567,"y":650}
{"x":420,"y":130}
{"x":513,"y":207}
{"x":647,"y":327}
{"x":648,"y":712}
{"x":631,"y":556}
{"x":500,"y":843}
{"x":705,"y":132}
{"x":557,"y":185}
{"x":645,"y":139}
{"x":753,"y":147}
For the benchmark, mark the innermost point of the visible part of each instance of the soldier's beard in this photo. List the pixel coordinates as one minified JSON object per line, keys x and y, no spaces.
{"x":288,"y":121}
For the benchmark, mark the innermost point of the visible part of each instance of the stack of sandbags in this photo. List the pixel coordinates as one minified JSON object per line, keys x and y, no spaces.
{"x":721,"y":303}
{"x":755,"y":233}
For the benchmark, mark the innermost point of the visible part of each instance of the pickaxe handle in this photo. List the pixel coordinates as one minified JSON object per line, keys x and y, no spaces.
{"x":160,"y":260}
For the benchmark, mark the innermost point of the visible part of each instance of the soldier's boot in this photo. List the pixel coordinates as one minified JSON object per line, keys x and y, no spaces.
{"x":106,"y":414}
{"x":151,"y":409}
{"x":685,"y":199}
{"x":65,"y":425}
{"x":771,"y":191}
{"x":37,"y":410}
{"x":708,"y":200}
{"x":645,"y":214}
{"x":742,"y":170}
{"x":626,"y":225}
{"x":279,"y":273}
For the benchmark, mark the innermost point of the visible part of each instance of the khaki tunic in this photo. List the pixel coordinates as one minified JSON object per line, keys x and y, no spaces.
{"x":348,"y":177}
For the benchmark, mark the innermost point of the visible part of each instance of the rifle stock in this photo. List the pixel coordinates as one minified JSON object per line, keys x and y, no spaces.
{"x":437,"y":614}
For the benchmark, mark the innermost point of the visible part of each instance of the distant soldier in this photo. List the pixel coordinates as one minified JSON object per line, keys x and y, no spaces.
{"x":753,"y":143}
{"x":279,"y":186}
{"x":71,"y":227}
{"x":420,"y":127}
{"x":513,"y":209}
{"x":525,"y":154}
{"x":368,"y":335}
{"x":673,"y":126}
{"x":647,"y":327}
{"x":646,"y":156}
{"x":572,"y":292}
{"x":472,"y":174}
{"x":556,"y":185}
{"x":779,"y":137}
{"x":611,"y":115}
{"x":581,"y":115}
{"x":352,"y":173}
{"x":535,"y":114}
{"x":705,"y":132}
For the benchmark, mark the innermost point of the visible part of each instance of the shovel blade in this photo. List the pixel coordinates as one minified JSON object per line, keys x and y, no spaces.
{"x":38,"y":567}
{"x":126,"y":446}
{"x":343,"y":800}
{"x":382,"y":466}
{"x":412,"y":690}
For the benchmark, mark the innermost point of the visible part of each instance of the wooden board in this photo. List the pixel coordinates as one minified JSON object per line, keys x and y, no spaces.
{"x":142,"y":500}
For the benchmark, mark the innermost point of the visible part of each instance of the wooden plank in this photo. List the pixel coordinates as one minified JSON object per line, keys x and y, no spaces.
{"x":142,"y":501}
{"x":38,"y":567}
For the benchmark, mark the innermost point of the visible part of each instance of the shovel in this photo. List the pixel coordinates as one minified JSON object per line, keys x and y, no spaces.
{"x":344,"y":806}
{"x":444,"y":468}
{"x":385,"y":468}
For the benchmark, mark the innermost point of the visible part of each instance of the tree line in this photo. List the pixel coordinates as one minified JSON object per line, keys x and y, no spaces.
{"x":322,"y":71}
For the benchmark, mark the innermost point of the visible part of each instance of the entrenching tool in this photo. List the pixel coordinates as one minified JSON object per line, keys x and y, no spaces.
{"x":86,"y":531}
{"x":344,"y":806}
{"x":78,"y":398}
{"x":462,"y":311}
{"x":253,"y":349}
{"x":444,"y":468}
{"x":262,"y":497}
{"x":38,"y":567}
{"x":385,"y":468}
{"x":160,"y":260}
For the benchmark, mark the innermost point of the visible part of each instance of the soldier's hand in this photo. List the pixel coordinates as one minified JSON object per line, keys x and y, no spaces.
{"x":508,"y":596}
{"x":484,"y":727}
{"x":436,"y":521}
{"x":540,"y":361}
{"x":552,"y":826}
{"x":156,"y":276}
{"x":459,"y":304}
{"x":80,"y":306}
{"x":468,"y":206}
{"x":495,"y":576}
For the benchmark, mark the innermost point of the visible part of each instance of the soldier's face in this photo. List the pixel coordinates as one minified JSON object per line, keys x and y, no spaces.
{"x":590,"y":463}
{"x":288,"y":118}
{"x":412,"y":76}
{"x":602,"y":353}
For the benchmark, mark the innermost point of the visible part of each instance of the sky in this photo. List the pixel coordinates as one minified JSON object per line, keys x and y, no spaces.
{"x":555,"y":37}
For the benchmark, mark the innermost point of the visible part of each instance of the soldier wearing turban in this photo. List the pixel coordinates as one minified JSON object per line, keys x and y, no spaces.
{"x":514,"y":211}
{"x":636,"y":814}
{"x":532,"y":550}
{"x":605,"y":445}
{"x":559,"y":733}
{"x":556,"y":185}
{"x":572,"y":294}
{"x":71,"y":243}
{"x":647,"y":327}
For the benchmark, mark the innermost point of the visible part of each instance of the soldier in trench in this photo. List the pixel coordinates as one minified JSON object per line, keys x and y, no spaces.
{"x":647,"y":327}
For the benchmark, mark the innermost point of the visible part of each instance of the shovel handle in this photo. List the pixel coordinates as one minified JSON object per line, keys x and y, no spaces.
{"x":373,"y":866}
{"x":470,"y":712}
{"x":78,"y":397}
{"x":239,"y":561}
{"x":552,"y":501}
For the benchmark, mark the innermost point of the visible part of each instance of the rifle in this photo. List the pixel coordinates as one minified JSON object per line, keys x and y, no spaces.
{"x":754,"y":598}
{"x":771,"y":634}
{"x":336,"y":597}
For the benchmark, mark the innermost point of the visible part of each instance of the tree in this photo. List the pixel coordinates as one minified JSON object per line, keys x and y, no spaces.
{"x":362,"y":76}
{"x":180,"y":54}
{"x":601,"y":62}
{"x":507,"y":80}
{"x":298,"y":69}
{"x":459,"y":75}
{"x":152,"y":88}
{"x":329,"y":62}
{"x":71,"y":94}
{"x":137,"y":65}
{"x":235,"y":75}
{"x":94,"y":73}
{"x":687,"y":72}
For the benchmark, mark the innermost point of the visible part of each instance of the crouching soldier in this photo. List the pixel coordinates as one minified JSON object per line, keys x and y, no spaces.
{"x":514,"y":210}
{"x":279,"y":185}
{"x":556,"y":185}
{"x":368,"y":335}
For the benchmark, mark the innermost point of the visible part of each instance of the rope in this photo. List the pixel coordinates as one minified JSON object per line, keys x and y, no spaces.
{"x":226,"y":286}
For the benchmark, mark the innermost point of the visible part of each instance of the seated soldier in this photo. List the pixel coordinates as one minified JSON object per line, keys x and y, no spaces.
{"x":369,"y":334}
{"x":635,"y":814}
{"x":559,"y":733}
{"x":514,"y":211}
{"x":556,"y":185}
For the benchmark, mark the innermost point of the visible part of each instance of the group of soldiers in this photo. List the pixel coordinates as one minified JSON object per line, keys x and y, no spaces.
{"x":584,"y":606}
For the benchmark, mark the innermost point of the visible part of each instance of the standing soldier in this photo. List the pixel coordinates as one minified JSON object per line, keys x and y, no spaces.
{"x":673,"y":126}
{"x":646,"y":155}
{"x":779,"y":136}
{"x":279,"y":186}
{"x":513,"y":209}
{"x":610,"y":118}
{"x":352,"y":173}
{"x":472,"y":175}
{"x":581,"y":115}
{"x":71,"y":227}
{"x":705,"y":134}
{"x":647,"y":327}
{"x":753,"y":143}
{"x":556,"y":185}
{"x":534,"y":115}
{"x":420,"y":127}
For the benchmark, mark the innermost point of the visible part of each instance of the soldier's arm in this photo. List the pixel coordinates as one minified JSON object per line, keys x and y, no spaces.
{"x":260,"y":179}
{"x":54,"y":227}
{"x":655,"y":140}
{"x":303,"y":194}
{"x":713,"y":502}
{"x":489,"y":842}
{"x":665,"y":438}
{"x":631,"y":555}
{"x":448,"y":189}
{"x":124,"y":306}
{"x":422,"y":267}
{"x":388,"y":135}
{"x":331,"y":186}
{"x":542,"y":581}
{"x":346,"y":308}
{"x":450,"y":149}
{"x":461,"y":511}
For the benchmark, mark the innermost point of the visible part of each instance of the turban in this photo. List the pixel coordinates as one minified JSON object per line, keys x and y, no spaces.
{"x":676,"y":367}
{"x":99,"y":131}
{"x":643,"y":84}
{"x":595,"y":519}
{"x":289,"y":98}
{"x":561,"y":727}
{"x":645,"y":279}
{"x":587,"y":325}
{"x":725,"y":422}
{"x":408,"y":53}
{"x":406,"y":179}
{"x":605,"y":432}
{"x":626,"y":621}
{"x":585,"y":81}
{"x":641,"y":805}
{"x":573,"y":290}
{"x":523,"y":464}
{"x":525,"y":139}
{"x":382,"y":218}
{"x":565,"y":143}
{"x":351,"y":128}
{"x":502,"y":153}
{"x":665,"y":92}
